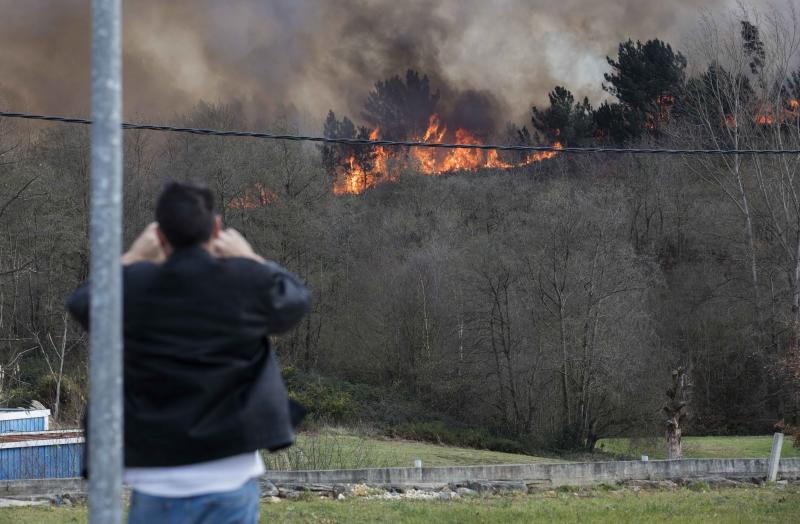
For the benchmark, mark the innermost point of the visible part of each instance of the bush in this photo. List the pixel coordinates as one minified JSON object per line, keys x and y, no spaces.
{"x":440,"y":433}
{"x":325,"y":399}
{"x":699,"y":485}
{"x":334,"y":401}
{"x":328,"y":450}
{"x":330,"y":401}
{"x":71,"y":402}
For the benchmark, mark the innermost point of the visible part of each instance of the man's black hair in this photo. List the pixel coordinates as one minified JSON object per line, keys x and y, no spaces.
{"x":185,"y":214}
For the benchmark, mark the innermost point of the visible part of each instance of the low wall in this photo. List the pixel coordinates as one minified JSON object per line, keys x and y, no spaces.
{"x":546,"y":474}
{"x":42,"y":487}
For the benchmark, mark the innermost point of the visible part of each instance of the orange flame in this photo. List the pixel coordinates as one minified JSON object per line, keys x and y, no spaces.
{"x":794,"y":109}
{"x":437,"y":162}
{"x":765,"y":119}
{"x":665,"y":104}
{"x":766,"y":116}
{"x":253,"y":198}
{"x":541,"y":155}
{"x":353,"y":178}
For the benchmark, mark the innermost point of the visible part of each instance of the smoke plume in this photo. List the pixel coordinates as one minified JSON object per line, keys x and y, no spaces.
{"x":320,"y":54}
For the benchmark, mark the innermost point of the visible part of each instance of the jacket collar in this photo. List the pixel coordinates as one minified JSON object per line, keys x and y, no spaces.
{"x":196,"y":252}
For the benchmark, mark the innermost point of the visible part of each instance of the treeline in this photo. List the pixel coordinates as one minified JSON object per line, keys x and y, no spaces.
{"x":648,"y":80}
{"x":548,"y":304}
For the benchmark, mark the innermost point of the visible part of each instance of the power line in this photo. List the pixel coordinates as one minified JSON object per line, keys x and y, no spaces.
{"x":402,"y":143}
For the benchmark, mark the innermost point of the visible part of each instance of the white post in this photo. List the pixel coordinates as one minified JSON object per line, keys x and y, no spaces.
{"x":774,"y":457}
{"x":105,"y":271}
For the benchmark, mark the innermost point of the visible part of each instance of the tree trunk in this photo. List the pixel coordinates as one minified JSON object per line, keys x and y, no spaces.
{"x":62,"y":353}
{"x":674,"y":448}
{"x":675,"y":410}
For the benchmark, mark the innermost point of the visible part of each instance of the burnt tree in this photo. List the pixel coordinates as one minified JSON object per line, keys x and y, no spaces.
{"x":676,"y":411}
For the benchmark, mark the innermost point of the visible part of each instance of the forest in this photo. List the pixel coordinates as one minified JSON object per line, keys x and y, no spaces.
{"x":540,"y":299}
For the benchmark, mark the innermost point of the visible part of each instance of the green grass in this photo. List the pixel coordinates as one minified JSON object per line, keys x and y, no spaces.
{"x":338,"y":449}
{"x":343,"y":451}
{"x":403,"y":452}
{"x":685,"y":506}
{"x":700,"y":447}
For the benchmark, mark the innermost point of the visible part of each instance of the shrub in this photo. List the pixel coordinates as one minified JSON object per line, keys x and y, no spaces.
{"x":71,"y":403}
{"x":440,"y":433}
{"x":328,"y":451}
{"x":325,"y":400}
{"x":699,"y":485}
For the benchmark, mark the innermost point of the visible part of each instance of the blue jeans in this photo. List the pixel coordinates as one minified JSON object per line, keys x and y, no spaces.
{"x":231,"y":507}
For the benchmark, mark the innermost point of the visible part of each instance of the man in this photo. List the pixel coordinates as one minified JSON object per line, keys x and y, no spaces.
{"x":203,"y":391}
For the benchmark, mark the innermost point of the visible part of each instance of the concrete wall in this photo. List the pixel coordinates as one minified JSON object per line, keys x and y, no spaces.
{"x":557,"y":474}
{"x":42,"y":487}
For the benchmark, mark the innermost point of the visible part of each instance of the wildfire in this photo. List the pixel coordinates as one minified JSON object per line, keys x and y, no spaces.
{"x":766,"y":116}
{"x":765,"y":119}
{"x":794,"y":109}
{"x":257,"y":197}
{"x":355,"y":178}
{"x":665,"y":103}
{"x":541,"y":155}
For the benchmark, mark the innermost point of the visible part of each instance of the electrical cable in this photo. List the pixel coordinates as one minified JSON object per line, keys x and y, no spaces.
{"x":404,"y":143}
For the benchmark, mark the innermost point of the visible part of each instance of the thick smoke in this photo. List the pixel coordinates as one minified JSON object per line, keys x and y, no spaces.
{"x":321,"y":54}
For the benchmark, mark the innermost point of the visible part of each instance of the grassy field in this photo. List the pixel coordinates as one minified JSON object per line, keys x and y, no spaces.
{"x":339,"y":450}
{"x":342,"y":451}
{"x":700,"y":447}
{"x":771,"y":504}
{"x":685,"y":506}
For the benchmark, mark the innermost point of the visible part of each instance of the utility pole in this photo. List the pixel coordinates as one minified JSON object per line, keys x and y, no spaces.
{"x":105,"y":337}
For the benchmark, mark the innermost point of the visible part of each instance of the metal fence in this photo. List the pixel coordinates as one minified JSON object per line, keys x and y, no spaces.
{"x":23,"y":420}
{"x":43,"y":455}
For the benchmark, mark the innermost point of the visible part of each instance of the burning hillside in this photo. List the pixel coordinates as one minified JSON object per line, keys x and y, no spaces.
{"x":361,"y":171}
{"x":411,"y":109}
{"x":790,"y":113}
{"x":253,"y":197}
{"x":767,"y":116}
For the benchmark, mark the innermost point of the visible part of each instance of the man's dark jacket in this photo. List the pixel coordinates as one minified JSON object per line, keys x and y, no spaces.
{"x":201,"y":382}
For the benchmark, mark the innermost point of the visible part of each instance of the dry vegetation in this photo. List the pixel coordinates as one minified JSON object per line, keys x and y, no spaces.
{"x":547,"y":304}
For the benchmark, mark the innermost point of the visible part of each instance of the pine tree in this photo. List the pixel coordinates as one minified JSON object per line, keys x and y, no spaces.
{"x":401,"y":109}
{"x":647,"y":79}
{"x":564,"y":121}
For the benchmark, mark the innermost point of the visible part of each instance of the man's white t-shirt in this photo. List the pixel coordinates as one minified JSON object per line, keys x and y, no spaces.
{"x":215,"y":476}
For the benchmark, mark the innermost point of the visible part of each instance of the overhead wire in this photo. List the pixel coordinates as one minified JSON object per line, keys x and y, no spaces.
{"x":404,"y":143}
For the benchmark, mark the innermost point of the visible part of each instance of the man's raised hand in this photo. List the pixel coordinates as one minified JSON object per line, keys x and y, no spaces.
{"x":231,"y":243}
{"x":146,"y":247}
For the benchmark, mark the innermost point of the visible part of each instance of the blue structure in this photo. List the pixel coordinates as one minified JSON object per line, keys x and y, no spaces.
{"x":41,"y":455}
{"x":21,"y":419}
